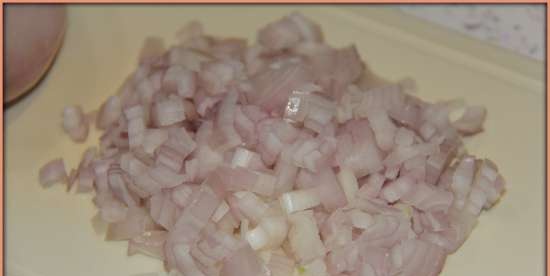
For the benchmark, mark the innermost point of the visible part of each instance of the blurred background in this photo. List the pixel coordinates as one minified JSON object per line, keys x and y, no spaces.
{"x":519,"y":28}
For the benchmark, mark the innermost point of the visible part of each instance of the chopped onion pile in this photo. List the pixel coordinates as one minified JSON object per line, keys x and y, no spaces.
{"x":285,"y":157}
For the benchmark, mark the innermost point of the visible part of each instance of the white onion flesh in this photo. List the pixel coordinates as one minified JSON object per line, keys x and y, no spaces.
{"x":53,"y":172}
{"x":299,"y":200}
{"x":75,"y":123}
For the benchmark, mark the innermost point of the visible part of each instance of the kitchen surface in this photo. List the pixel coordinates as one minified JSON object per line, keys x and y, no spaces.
{"x":518,"y":28}
{"x":487,"y":55}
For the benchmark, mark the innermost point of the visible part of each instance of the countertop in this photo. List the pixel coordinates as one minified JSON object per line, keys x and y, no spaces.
{"x":518,"y":28}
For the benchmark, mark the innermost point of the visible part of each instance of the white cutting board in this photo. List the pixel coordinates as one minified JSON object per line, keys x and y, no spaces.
{"x":48,"y":232}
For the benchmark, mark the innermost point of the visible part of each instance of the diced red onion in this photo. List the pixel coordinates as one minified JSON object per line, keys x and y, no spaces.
{"x":184,"y":260}
{"x":269,"y":233}
{"x":243,"y":262}
{"x":316,"y":267}
{"x":135,"y":223}
{"x":149,"y":243}
{"x":168,"y":112}
{"x":53,"y":172}
{"x":299,"y":200}
{"x":85,"y":180}
{"x":75,"y":124}
{"x":360,"y":219}
{"x":225,"y":136}
{"x":387,"y":231}
{"x":110,"y":112}
{"x":112,"y":211}
{"x":166,"y":177}
{"x":404,"y":137}
{"x":304,"y":237}
{"x":273,"y":87}
{"x":181,"y":80}
{"x":462,"y":180}
{"x":163,"y":210}
{"x":349,"y":184}
{"x":397,"y":189}
{"x":336,"y":230}
{"x":284,"y":157}
{"x":279,"y":264}
{"x":117,"y":184}
{"x":220,"y":212}
{"x":153,"y":139}
{"x":330,"y":192}
{"x":472,"y":120}
{"x":136,"y":132}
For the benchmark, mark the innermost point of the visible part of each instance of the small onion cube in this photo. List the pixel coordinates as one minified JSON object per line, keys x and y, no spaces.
{"x":53,"y":172}
{"x":299,"y":200}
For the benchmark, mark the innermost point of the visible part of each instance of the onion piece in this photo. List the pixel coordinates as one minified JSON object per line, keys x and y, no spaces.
{"x":462,"y":180}
{"x":168,"y":112}
{"x":75,"y":124}
{"x":273,"y":87}
{"x":471,"y":121}
{"x":136,"y":131}
{"x":404,"y":153}
{"x":404,"y":137}
{"x":153,"y":139}
{"x":387,"y":231}
{"x":383,"y":128}
{"x":349,"y":184}
{"x":279,"y":35}
{"x":247,"y":159}
{"x":243,"y":262}
{"x":184,"y":261}
{"x":179,"y":79}
{"x":53,"y":172}
{"x":169,"y":158}
{"x":397,"y":189}
{"x":418,"y":257}
{"x":286,"y":157}
{"x":181,"y":195}
{"x":360,"y":219}
{"x":336,"y":230}
{"x":279,"y":264}
{"x":330,"y":192}
{"x":85,"y":180}
{"x":429,"y":198}
{"x":113,"y":211}
{"x":286,"y":175}
{"x":225,"y":136}
{"x":220,"y":212}
{"x":197,"y":214}
{"x":304,"y":237}
{"x":316,"y":267}
{"x":372,"y":186}
{"x":251,"y":206}
{"x":117,"y":184}
{"x":166,"y":177}
{"x":181,"y":141}
{"x":357,"y":149}
{"x":163,"y":210}
{"x":135,"y":223}
{"x":299,"y":200}
{"x":109,"y":112}
{"x":269,"y":233}
{"x":242,"y":179}
{"x":149,"y":243}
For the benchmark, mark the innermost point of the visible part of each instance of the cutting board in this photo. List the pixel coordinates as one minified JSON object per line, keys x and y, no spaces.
{"x":49,"y":233}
